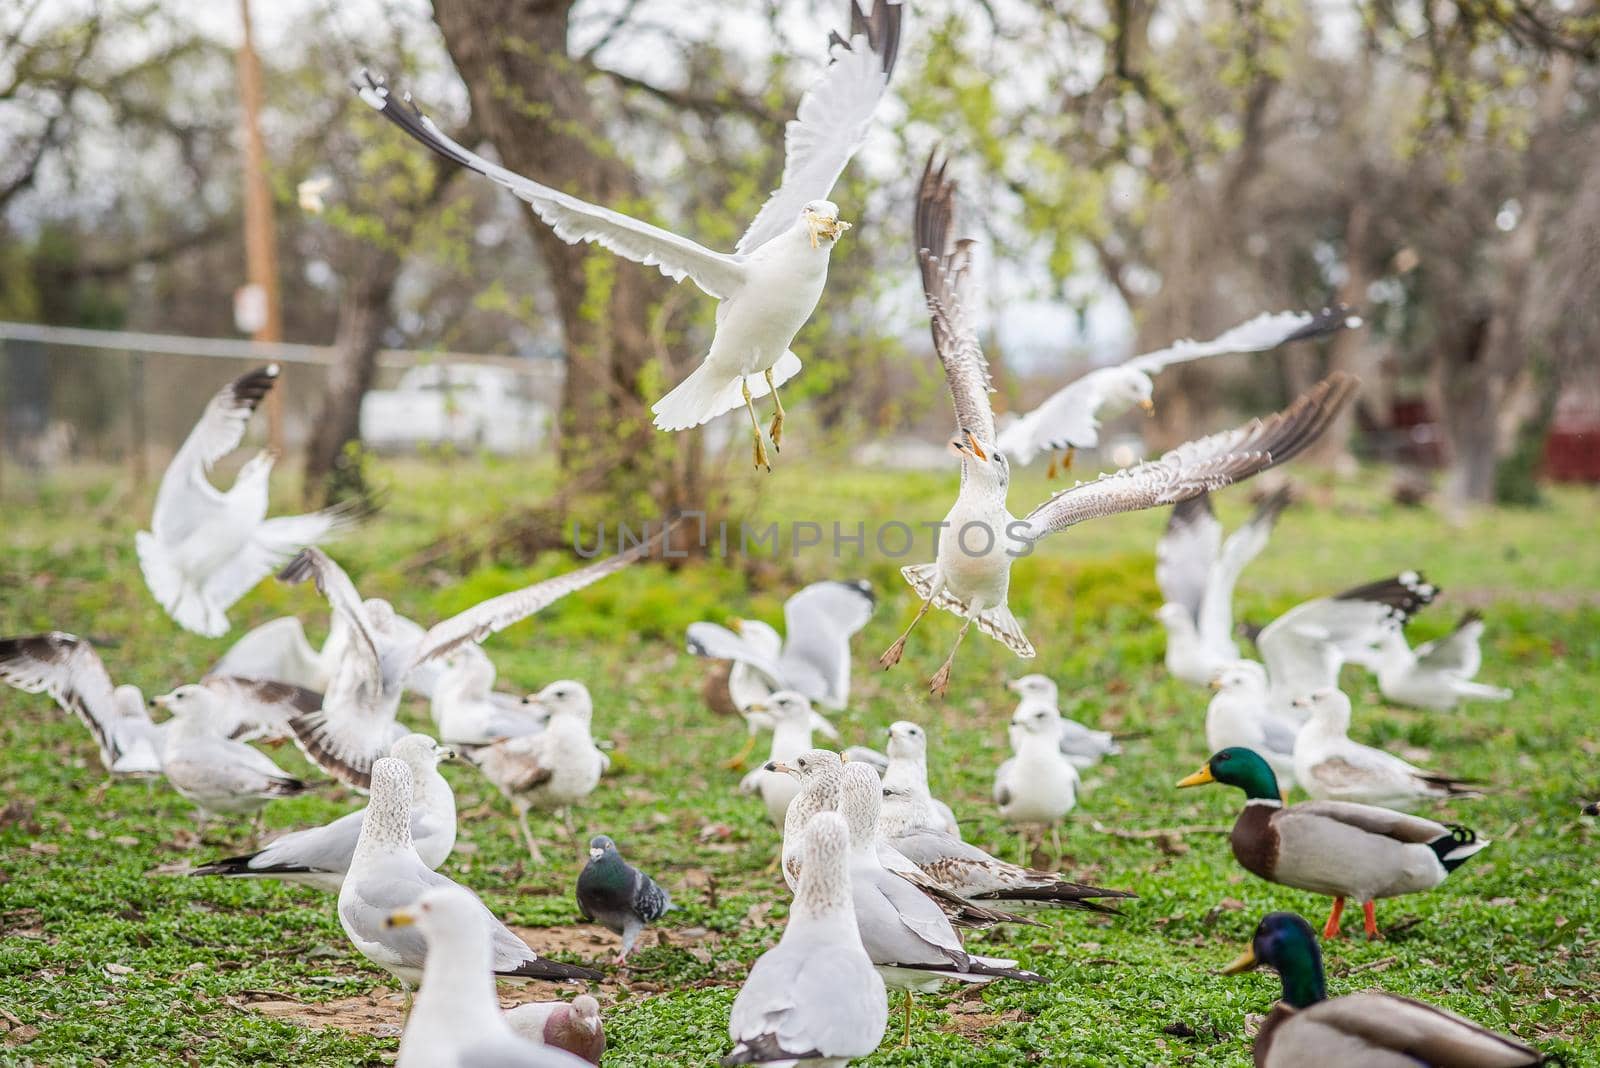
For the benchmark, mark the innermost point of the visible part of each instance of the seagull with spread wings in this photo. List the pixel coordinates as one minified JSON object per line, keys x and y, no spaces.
{"x":1069,"y":419}
{"x":356,"y":723}
{"x":769,"y":285}
{"x":971,"y":574}
{"x":205,"y":549}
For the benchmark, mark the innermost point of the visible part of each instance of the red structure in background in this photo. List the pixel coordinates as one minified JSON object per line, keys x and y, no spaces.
{"x":1572,"y":451}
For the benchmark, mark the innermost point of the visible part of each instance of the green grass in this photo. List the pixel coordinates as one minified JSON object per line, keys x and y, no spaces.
{"x":106,"y":958}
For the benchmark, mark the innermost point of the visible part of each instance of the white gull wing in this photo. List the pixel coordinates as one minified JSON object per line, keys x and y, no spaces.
{"x":1458,"y":653}
{"x":1068,"y":418}
{"x":818,"y":623}
{"x":955,"y":339}
{"x":68,"y":669}
{"x":1265,"y":331}
{"x":573,"y":220}
{"x":1187,"y":553}
{"x":1243,"y":545}
{"x":1198,"y":466}
{"x":362,"y":655}
{"x":277,"y":649}
{"x":716,"y":642}
{"x":187,"y":498}
{"x":272,"y":544}
{"x":832,"y":120}
{"x":498,"y":613}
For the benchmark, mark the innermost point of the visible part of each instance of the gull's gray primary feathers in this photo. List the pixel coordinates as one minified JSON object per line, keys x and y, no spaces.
{"x":1203,"y":465}
{"x":356,"y":723}
{"x":68,"y":669}
{"x":814,"y":997}
{"x":387,"y":874}
{"x":206,"y":549}
{"x":814,"y":657}
{"x":944,"y":270}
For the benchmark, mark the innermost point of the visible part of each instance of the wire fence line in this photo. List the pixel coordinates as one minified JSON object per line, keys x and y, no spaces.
{"x":72,"y":395}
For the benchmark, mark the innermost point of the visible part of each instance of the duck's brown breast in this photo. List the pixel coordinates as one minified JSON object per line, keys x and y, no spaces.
{"x":1255,"y":840}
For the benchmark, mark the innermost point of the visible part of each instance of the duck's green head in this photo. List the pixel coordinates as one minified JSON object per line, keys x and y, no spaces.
{"x":1285,"y":943}
{"x":1239,"y":767}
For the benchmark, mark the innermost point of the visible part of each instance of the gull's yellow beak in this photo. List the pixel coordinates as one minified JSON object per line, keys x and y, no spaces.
{"x":1148,"y":405}
{"x":1244,"y":962}
{"x":781,"y":768}
{"x":814,"y":225}
{"x":736,"y":625}
{"x":757,"y":707}
{"x":1216,"y":682}
{"x":977,"y":450}
{"x":400,"y":918}
{"x":1199,"y":778}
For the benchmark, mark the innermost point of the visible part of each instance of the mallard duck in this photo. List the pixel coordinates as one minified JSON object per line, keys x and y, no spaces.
{"x":1331,"y":767}
{"x":1336,"y":848}
{"x":1307,"y":1029}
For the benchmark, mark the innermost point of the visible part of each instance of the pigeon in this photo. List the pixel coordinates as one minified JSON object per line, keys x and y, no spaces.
{"x":554,"y":769}
{"x":320,"y":856}
{"x":206,"y":549}
{"x":457,"y":1022}
{"x":619,"y":896}
{"x":574,"y":1026}
{"x":386,"y":874}
{"x":814,"y":998}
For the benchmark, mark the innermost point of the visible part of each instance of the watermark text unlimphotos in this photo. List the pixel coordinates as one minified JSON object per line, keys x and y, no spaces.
{"x":893,"y":539}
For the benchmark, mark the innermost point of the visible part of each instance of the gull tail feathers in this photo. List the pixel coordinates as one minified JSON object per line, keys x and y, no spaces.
{"x":998,"y":623}
{"x":186,"y":603}
{"x":707,"y":393}
{"x":1477,"y":691}
{"x":1003,"y":968}
{"x":344,"y":750}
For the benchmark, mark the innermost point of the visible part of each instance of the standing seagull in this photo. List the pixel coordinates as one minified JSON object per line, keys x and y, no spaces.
{"x":457,"y":1022}
{"x":1039,"y":784}
{"x":319,"y":856}
{"x":971,"y":574}
{"x":356,"y":723}
{"x":621,"y":897}
{"x":554,"y":769}
{"x":771,"y":283}
{"x":216,"y":773}
{"x":1082,"y":745}
{"x":68,"y":669}
{"x":206,"y":549}
{"x":1331,"y":767}
{"x":386,"y":874}
{"x":1436,"y":674}
{"x":814,"y":998}
{"x":1196,"y":571}
{"x":1070,"y":417}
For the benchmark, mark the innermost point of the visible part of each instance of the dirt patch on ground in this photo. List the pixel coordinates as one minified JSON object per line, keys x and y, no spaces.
{"x":380,"y":1014}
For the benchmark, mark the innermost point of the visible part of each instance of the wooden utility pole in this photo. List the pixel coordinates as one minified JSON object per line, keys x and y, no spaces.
{"x":260,"y":240}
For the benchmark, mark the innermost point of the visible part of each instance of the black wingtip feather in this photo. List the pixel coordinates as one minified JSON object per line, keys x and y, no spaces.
{"x":1327,"y":321}
{"x":1404,"y":594}
{"x":553,"y":970}
{"x":249,"y":388}
{"x":404,"y":113}
{"x":764,"y":1048}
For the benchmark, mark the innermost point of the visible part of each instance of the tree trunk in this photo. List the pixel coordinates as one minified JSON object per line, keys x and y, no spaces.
{"x":1487,"y":382}
{"x":529,"y":100}
{"x":363,"y":316}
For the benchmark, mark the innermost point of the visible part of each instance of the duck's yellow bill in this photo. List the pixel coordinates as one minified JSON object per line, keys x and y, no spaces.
{"x":1199,"y":778}
{"x":1244,"y":962}
{"x":400,"y":918}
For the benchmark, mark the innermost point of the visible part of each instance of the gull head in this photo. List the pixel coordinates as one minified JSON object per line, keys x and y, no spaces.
{"x":785,"y":706}
{"x":822,"y":222}
{"x":1329,"y":707}
{"x":1176,"y":619}
{"x":810,"y":766}
{"x":1037,"y":687}
{"x":448,"y":914}
{"x":1130,"y":388}
{"x":600,"y":845}
{"x":421,"y":753}
{"x":1042,"y":722}
{"x":1241,"y":676}
{"x":983,"y":460}
{"x":380,"y":614}
{"x":564,"y":697}
{"x":187,"y":702}
{"x":907,"y":740}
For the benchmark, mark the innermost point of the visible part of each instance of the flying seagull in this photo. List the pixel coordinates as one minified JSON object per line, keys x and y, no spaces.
{"x":1197,"y":571}
{"x":206,"y":549}
{"x":68,"y":669}
{"x":971,"y":574}
{"x":1069,"y":418}
{"x":356,"y":723}
{"x":772,"y":281}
